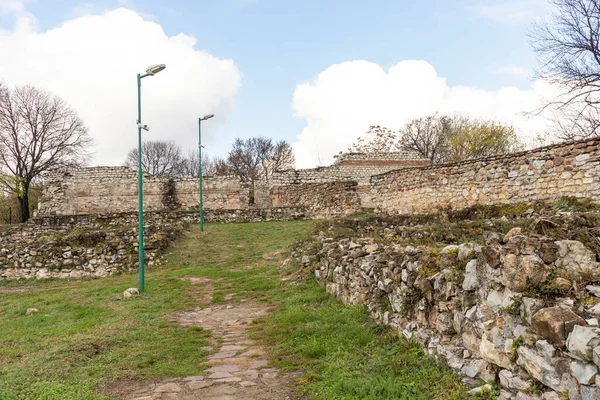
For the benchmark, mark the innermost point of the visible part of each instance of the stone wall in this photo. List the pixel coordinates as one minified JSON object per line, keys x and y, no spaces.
{"x":515,"y":311}
{"x":100,"y":190}
{"x":547,"y":173}
{"x":351,"y":167}
{"x":320,"y":200}
{"x":83,"y":246}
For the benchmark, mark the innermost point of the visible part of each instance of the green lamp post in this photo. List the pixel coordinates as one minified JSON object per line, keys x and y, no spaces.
{"x":150,"y":71}
{"x":207,"y":116}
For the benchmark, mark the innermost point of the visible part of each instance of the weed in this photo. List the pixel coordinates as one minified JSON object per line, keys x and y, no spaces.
{"x":513,"y":308}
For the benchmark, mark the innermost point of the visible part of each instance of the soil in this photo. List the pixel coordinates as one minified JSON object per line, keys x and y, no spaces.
{"x":18,"y":289}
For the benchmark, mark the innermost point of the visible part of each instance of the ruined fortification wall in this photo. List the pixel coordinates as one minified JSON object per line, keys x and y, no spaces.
{"x":320,"y":200}
{"x":114,"y":189}
{"x":547,"y":173}
{"x":352,"y":167}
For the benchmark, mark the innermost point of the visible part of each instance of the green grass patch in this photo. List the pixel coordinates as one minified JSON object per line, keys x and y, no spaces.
{"x":345,"y":355}
{"x":85,"y":335}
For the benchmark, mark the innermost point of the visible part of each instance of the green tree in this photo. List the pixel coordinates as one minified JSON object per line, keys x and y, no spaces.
{"x":442,"y":138}
{"x":475,"y":139}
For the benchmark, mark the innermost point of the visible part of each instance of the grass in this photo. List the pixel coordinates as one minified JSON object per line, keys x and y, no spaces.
{"x":85,"y":335}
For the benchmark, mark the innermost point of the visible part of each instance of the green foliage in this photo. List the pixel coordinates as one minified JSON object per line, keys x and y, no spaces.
{"x":513,"y":308}
{"x":570,"y":203}
{"x":546,"y":289}
{"x":515,"y":346}
{"x":476,"y":139}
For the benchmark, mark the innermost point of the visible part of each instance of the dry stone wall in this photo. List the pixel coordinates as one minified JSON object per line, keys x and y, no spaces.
{"x":547,"y":173}
{"x":351,"y":167}
{"x":320,"y":200}
{"x":515,"y":311}
{"x":114,"y":189}
{"x":83,"y":246}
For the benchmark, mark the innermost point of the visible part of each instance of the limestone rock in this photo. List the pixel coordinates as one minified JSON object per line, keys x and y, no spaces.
{"x":555,"y":323}
{"x":471,"y":282}
{"x":511,"y":233}
{"x":581,"y":342}
{"x":594,"y":290}
{"x":466,"y":251}
{"x":585,"y":373}
{"x":518,"y":271}
{"x":444,"y":323}
{"x":548,"y":372}
{"x":31,"y":311}
{"x":530,"y":306}
{"x":510,"y":381}
{"x":577,"y":260}
{"x":487,"y":387}
{"x":131,"y":292}
{"x":491,"y":353}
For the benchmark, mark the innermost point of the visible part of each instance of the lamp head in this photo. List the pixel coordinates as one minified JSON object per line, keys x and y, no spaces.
{"x":208,"y":116}
{"x":155,"y":69}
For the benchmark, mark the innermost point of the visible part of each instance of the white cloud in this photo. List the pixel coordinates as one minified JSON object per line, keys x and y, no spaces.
{"x":347,"y":98}
{"x":512,"y":10}
{"x":91,"y":62}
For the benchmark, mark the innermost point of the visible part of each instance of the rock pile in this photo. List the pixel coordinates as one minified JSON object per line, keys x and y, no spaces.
{"x":81,"y":247}
{"x":518,"y":311}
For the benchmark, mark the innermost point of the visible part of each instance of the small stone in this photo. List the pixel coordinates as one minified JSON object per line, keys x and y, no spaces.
{"x":594,"y":290}
{"x":545,"y":349}
{"x":31,"y":311}
{"x":510,"y":381}
{"x":511,"y":233}
{"x":247,"y":383}
{"x":487,"y":387}
{"x":551,"y":396}
{"x":562,"y":284}
{"x":471,"y":282}
{"x":592,"y":321}
{"x":131,"y":292}
{"x":196,"y":385}
{"x":583,"y":372}
{"x":555,"y":323}
{"x":168,"y":388}
{"x":581,"y":342}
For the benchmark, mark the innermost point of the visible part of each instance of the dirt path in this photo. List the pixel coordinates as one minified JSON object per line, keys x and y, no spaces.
{"x":237,"y":365}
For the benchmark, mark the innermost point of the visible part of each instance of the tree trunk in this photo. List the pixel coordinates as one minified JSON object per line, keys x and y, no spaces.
{"x":24,"y":205}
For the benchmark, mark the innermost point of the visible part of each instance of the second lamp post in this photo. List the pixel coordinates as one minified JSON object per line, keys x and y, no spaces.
{"x":207,"y":116}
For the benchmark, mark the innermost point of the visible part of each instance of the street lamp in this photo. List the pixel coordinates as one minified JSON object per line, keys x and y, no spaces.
{"x":207,"y":116}
{"x":150,"y":71}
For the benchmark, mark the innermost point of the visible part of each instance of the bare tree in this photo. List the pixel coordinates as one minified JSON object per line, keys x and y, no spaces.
{"x":257,"y":158}
{"x":427,"y":136}
{"x":159,"y":158}
{"x":280,"y":158}
{"x":190,"y":166}
{"x":38,"y":132}
{"x":222,"y":167}
{"x":568,"y":46}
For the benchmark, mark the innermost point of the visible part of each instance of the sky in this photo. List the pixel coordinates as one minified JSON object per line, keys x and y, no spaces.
{"x":316,"y":73}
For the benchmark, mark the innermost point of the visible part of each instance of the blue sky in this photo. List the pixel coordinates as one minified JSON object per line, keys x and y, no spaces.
{"x":277,"y":45}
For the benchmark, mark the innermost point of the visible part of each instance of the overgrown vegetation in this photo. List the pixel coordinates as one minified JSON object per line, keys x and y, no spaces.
{"x":567,"y":218}
{"x":86,"y":335}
